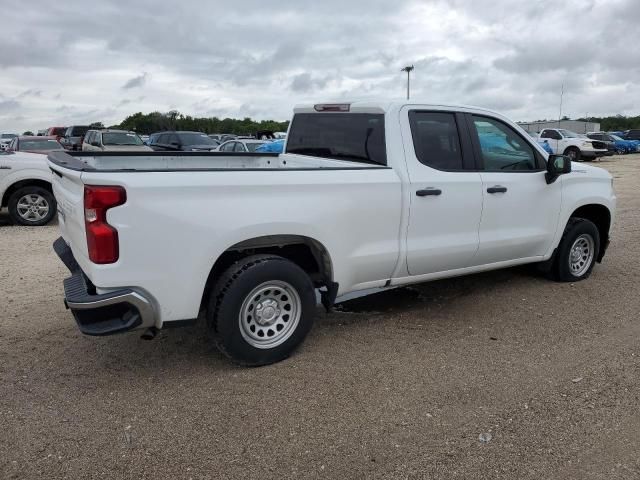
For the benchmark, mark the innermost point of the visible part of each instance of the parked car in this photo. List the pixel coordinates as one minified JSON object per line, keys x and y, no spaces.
{"x":216,"y":136}
{"x":633,"y":145}
{"x":35,"y":144}
{"x":184,"y":141}
{"x":5,"y":140}
{"x":633,"y":134}
{"x":108,"y":140}
{"x":57,"y":132}
{"x":608,"y":143}
{"x":74,"y":136}
{"x":618,"y":145}
{"x":241,"y":145}
{"x":276,"y":146}
{"x":368,"y":196}
{"x":25,"y":188}
{"x":572,"y":144}
{"x":226,"y":137}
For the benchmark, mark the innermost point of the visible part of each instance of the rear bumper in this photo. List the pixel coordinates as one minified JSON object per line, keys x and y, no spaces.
{"x":101,"y":314}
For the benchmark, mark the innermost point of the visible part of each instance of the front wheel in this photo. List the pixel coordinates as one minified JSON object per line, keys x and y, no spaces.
{"x":577,"y":252}
{"x":261,"y":309}
{"x":32,"y":206}
{"x":573,"y":153}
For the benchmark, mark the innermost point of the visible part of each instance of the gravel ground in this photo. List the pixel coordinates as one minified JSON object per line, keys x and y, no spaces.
{"x":399,"y":385}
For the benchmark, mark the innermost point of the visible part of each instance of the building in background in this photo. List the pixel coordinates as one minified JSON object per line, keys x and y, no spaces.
{"x":573,"y":125}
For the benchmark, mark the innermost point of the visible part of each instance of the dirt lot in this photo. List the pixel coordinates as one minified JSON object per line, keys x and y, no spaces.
{"x":399,"y":385}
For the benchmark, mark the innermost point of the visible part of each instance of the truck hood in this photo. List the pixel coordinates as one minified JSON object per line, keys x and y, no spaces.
{"x":581,"y":168}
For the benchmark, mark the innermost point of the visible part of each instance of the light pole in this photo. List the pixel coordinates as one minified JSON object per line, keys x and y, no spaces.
{"x":408,"y":69}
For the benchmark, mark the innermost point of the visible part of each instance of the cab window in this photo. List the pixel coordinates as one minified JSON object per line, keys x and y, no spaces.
{"x":501,"y":147}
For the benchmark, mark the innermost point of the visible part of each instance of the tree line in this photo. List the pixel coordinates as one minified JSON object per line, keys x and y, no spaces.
{"x":146,"y":123}
{"x":614,"y":123}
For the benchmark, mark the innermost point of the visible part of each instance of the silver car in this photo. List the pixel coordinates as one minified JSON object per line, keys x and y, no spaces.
{"x":240,"y":145}
{"x":113,"y":141}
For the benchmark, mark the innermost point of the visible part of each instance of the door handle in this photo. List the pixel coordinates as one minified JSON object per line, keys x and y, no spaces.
{"x":497,"y":189}
{"x":428,"y":192}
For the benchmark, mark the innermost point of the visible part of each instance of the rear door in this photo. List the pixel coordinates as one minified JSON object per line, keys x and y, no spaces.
{"x":520,"y":211}
{"x":445,"y":191}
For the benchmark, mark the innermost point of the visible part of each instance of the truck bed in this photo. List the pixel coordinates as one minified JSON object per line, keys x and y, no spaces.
{"x":196,"y":161}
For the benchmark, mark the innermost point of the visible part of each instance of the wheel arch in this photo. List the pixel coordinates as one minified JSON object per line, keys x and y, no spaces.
{"x":30,"y":182}
{"x":308,"y":253}
{"x":600,"y":216}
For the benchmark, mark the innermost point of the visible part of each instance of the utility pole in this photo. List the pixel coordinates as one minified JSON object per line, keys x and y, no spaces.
{"x":408,"y":69}
{"x":561,"y":95}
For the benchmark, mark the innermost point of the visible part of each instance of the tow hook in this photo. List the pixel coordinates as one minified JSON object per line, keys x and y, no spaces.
{"x":149,"y":334}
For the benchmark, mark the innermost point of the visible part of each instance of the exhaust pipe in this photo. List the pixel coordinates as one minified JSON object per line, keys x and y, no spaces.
{"x":149,"y":334}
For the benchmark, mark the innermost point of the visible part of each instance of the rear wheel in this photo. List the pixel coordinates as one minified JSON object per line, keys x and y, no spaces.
{"x":573,"y":153}
{"x":261,"y":309}
{"x":577,"y":252}
{"x":33,"y":206}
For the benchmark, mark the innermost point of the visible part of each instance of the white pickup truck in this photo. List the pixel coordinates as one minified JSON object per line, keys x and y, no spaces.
{"x":367,"y":196}
{"x":25,"y":188}
{"x":577,"y":147}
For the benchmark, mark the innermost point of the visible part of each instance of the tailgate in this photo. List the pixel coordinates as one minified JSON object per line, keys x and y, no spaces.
{"x":69,"y":192}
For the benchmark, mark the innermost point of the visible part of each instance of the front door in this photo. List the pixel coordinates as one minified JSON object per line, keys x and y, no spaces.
{"x":520,"y":211}
{"x":445,"y":195}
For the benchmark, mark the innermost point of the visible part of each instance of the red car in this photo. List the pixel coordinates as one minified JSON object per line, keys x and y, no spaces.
{"x":57,"y":132}
{"x":35,"y":144}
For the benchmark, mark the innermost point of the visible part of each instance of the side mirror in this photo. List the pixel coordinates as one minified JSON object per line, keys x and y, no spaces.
{"x":174,"y":145}
{"x":557,"y":165}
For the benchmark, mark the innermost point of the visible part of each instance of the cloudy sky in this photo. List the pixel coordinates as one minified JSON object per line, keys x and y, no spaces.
{"x":71,"y":62}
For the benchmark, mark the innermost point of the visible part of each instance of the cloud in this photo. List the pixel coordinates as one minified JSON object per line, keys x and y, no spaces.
{"x":304,"y":82}
{"x":241,"y":61}
{"x":136,"y":82}
{"x":9,"y":105}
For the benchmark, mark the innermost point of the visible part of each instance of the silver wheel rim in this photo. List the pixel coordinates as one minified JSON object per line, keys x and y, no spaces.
{"x":572,"y":154}
{"x":581,"y":254}
{"x":33,"y":207}
{"x":270,"y":314}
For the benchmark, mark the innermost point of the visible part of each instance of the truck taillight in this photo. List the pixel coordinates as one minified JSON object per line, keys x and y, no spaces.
{"x":102,"y":238}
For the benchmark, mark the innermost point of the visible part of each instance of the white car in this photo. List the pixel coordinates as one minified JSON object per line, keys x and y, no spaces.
{"x":576,"y":146}
{"x":241,"y":145}
{"x":25,"y":188}
{"x":5,"y":140}
{"x":368,"y":196}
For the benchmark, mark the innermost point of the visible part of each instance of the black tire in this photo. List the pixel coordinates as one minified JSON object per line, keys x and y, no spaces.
{"x":233,"y":290}
{"x":574,"y":154}
{"x":576,"y":228}
{"x":19,"y":194}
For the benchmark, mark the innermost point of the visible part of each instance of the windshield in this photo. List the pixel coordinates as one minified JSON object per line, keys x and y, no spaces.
{"x":120,"y":138}
{"x":615,"y":137}
{"x":569,"y":134}
{"x":357,"y":137}
{"x":9,"y":135}
{"x":197,"y":139}
{"x":252,"y":146}
{"x":40,"y":145}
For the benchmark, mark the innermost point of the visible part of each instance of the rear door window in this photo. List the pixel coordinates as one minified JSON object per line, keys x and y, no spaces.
{"x":357,"y":137}
{"x":436,"y":140}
